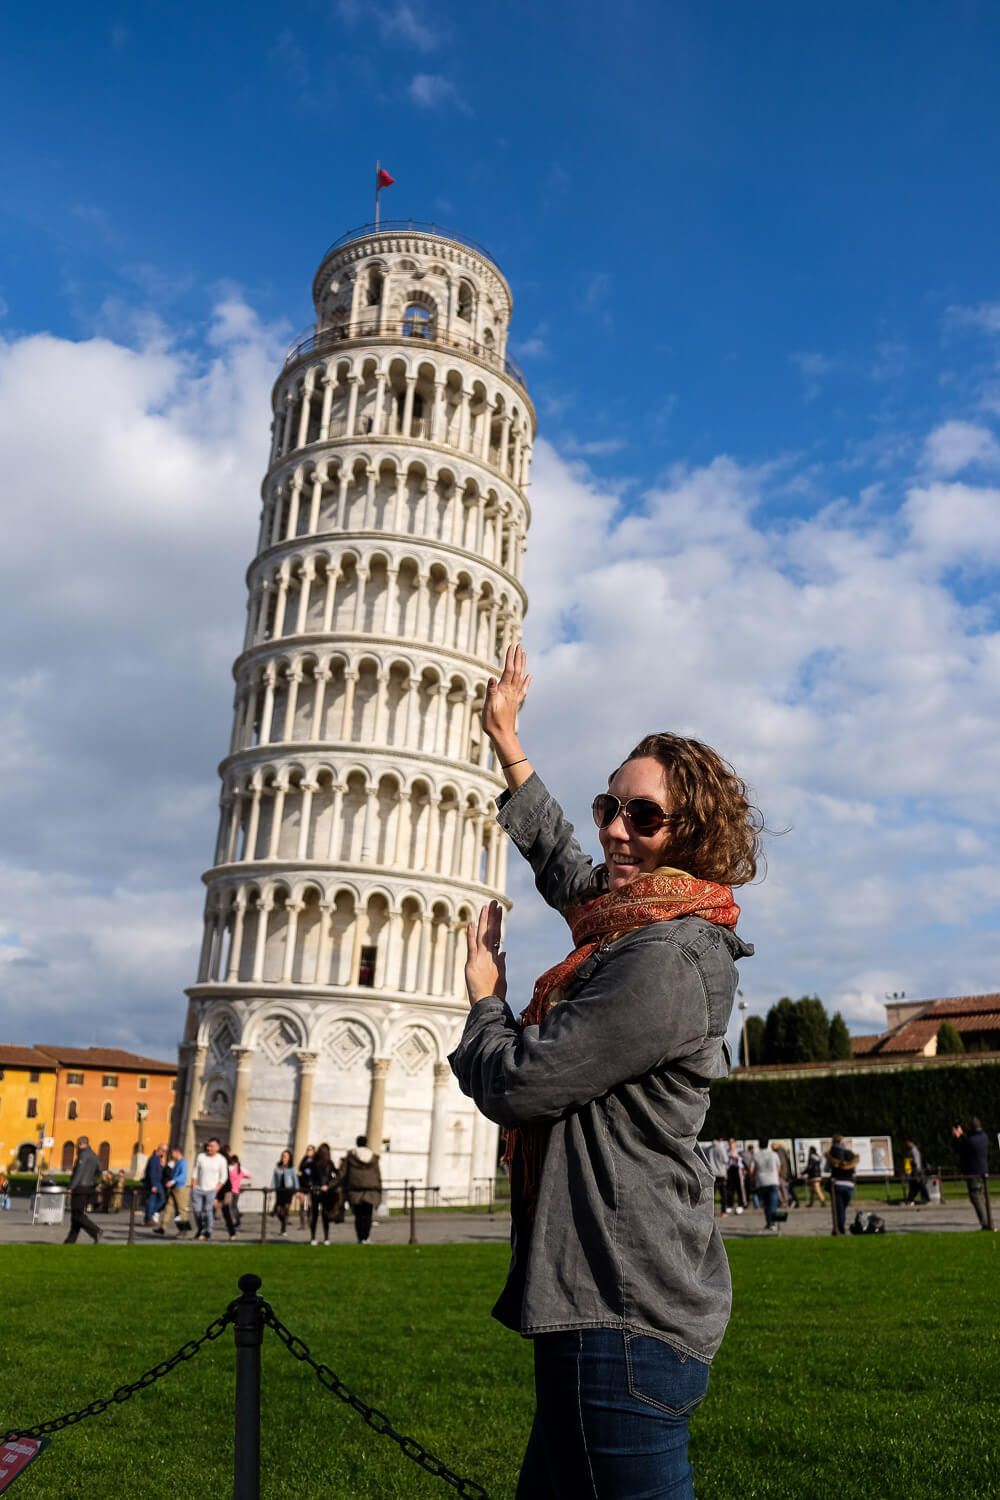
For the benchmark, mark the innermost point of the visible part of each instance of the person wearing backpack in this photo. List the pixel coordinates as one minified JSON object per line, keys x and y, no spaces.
{"x":843,"y":1163}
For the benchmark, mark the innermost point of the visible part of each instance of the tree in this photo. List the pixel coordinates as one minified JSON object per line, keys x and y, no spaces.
{"x":778,"y":1027}
{"x":797,"y":1031}
{"x":949,"y":1039}
{"x":840,"y":1039}
{"x":754,"y":1032}
{"x":812,"y":1030}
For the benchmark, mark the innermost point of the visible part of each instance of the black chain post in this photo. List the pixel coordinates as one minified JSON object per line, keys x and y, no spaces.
{"x":248,"y":1331}
{"x":131,"y":1217}
{"x":413,"y":1215}
{"x":263,"y":1218}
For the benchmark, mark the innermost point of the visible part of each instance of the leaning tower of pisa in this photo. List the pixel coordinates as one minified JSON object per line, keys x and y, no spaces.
{"x":356,"y":835}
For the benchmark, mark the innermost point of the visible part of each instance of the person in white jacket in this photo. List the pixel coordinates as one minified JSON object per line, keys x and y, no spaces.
{"x":210,"y":1171}
{"x":766,"y":1173}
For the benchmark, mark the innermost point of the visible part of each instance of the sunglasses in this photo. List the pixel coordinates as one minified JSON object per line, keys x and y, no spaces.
{"x":646,"y":817}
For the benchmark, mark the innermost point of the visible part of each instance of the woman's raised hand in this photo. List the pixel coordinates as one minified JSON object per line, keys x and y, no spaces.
{"x":504,"y":696}
{"x":485,"y":965}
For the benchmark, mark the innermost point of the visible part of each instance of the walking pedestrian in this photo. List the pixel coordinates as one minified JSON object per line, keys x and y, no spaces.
{"x":786,"y":1176}
{"x":321,"y":1175}
{"x":736,"y":1177}
{"x":302,"y":1197}
{"x":718,"y":1158}
{"x":284,"y":1183}
{"x":618,"y":1273}
{"x":152,"y":1180}
{"x":766,"y":1181}
{"x":917,"y":1185}
{"x":177,"y":1202}
{"x":361,"y":1177}
{"x":814,"y":1177}
{"x":211,"y":1170}
{"x":842,"y":1162}
{"x":85,"y":1176}
{"x":972,"y":1147}
{"x":238,"y":1180}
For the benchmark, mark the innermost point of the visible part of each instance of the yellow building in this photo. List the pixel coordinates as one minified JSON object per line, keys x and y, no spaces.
{"x":27,"y":1106}
{"x":121,"y":1101}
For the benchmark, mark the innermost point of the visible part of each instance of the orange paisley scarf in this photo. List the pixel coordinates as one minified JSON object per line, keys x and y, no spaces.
{"x":661,"y":896}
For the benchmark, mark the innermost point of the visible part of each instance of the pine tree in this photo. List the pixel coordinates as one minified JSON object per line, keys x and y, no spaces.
{"x":840,"y":1040}
{"x":949,"y":1039}
{"x":754,"y":1033}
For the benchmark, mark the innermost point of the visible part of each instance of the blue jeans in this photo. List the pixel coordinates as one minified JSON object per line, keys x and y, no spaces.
{"x":843,"y":1192}
{"x":611,"y":1418}
{"x":201,"y":1203}
{"x":769,"y":1197}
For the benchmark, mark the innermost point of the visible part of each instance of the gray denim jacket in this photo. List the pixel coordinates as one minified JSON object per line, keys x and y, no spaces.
{"x":624,"y":1235}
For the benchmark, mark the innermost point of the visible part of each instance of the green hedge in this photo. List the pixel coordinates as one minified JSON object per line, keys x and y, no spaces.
{"x":922,"y":1103}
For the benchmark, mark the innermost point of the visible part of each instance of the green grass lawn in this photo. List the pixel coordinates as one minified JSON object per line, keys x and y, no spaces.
{"x":852,"y":1368}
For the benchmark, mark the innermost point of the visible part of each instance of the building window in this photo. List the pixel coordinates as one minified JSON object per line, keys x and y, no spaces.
{"x":71,"y":1110}
{"x":366,"y":968}
{"x":68,"y":1153}
{"x":109,"y":1081}
{"x":106,"y":1111}
{"x":32,"y":1109}
{"x":417,"y":322}
{"x":104,"y":1153}
{"x":75,"y":1080}
{"x":173,"y":1085}
{"x":144,"y":1083}
{"x":34,"y":1076}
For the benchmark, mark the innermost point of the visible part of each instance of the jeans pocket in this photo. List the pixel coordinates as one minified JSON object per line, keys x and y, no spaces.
{"x":661,"y":1377}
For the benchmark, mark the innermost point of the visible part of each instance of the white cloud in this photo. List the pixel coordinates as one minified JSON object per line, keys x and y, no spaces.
{"x":828,"y":657}
{"x":434,"y":91}
{"x":955,"y":446}
{"x":955,"y":524}
{"x":984,"y":316}
{"x":400,"y":23}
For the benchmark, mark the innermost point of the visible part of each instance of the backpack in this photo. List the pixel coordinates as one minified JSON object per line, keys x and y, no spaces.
{"x":867,"y":1224}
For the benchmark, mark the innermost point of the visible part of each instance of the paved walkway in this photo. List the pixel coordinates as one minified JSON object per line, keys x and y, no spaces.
{"x":443,"y":1228}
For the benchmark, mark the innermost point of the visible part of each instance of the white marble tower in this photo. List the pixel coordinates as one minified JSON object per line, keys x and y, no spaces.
{"x":357,"y":833}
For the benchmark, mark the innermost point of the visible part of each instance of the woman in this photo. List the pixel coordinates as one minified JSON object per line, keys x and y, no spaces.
{"x":618,"y":1271}
{"x":814,"y":1177}
{"x":736,"y":1176}
{"x":305,"y":1176}
{"x":321,"y":1175}
{"x":284,"y":1185}
{"x":224,"y":1194}
{"x":238,"y":1180}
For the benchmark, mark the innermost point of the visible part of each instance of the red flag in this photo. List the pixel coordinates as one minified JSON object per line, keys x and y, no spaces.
{"x":382,"y":179}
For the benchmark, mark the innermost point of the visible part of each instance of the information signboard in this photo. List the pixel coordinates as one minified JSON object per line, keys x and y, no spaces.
{"x":15,"y":1456}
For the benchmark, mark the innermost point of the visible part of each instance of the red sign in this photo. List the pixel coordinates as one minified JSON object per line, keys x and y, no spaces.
{"x":15,"y":1456}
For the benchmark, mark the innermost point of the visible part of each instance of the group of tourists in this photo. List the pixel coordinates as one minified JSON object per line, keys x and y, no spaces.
{"x":201,"y":1196}
{"x":764,"y":1177}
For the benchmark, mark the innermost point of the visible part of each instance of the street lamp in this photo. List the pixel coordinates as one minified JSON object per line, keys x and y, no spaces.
{"x":744,"y":1007}
{"x":141,"y":1111}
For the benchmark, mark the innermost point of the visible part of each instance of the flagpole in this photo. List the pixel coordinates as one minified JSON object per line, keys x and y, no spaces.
{"x":378,"y":169}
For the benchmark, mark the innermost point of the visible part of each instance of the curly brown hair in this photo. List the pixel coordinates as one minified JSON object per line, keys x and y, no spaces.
{"x":715,"y":827}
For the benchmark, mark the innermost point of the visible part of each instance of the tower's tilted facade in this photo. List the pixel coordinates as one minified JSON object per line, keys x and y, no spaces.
{"x":357,"y":834}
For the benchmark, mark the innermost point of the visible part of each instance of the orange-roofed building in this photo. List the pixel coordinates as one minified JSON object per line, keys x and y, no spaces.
{"x":913,"y":1028}
{"x":27,"y":1105}
{"x":122,"y":1101}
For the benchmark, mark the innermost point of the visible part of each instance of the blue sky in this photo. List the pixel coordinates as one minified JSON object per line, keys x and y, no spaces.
{"x":754,"y":254}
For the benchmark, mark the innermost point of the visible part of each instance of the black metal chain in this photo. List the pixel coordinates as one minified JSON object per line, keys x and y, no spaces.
{"x":124,"y":1392}
{"x":376,"y":1420}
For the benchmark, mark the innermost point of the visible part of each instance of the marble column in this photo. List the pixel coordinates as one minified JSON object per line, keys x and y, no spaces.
{"x":375,"y":1127}
{"x":192,"y":1100}
{"x":241,"y":1093}
{"x":303,"y":1105}
{"x":438,"y":1142}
